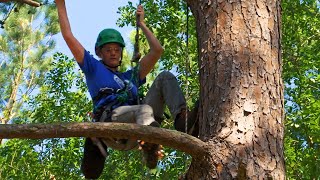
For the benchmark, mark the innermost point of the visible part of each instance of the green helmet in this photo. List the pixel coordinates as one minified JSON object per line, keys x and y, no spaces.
{"x":109,"y":36}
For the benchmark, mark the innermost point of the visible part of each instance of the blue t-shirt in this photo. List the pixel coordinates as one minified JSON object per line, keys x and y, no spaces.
{"x":98,"y":77}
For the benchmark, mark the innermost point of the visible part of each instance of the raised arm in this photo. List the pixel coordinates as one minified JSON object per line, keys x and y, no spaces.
{"x":151,"y":58}
{"x":74,"y":45}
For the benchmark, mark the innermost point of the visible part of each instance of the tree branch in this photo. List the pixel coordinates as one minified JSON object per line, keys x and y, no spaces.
{"x":175,"y":139}
{"x":29,"y":2}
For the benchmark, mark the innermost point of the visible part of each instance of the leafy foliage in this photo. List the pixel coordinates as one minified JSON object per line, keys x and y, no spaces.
{"x":168,"y":20}
{"x":301,"y":47}
{"x":62,"y":97}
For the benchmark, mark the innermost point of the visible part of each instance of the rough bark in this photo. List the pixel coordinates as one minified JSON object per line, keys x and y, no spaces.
{"x":242,"y":115}
{"x":178,"y":140}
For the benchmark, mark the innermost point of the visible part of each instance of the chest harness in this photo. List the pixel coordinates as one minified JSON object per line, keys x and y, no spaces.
{"x":102,"y":113}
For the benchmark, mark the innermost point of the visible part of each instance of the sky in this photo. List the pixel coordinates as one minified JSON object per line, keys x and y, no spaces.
{"x":88,"y":18}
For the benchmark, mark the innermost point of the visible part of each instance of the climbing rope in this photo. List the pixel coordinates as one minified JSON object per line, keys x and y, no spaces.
{"x":136,"y":52}
{"x":144,"y":146}
{"x":136,"y":57}
{"x":187,"y":66}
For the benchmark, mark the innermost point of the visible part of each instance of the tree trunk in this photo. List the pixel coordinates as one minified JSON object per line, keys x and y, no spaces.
{"x":242,"y":114}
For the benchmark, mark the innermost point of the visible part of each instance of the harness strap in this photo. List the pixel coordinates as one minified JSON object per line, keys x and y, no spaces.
{"x":103,"y":114}
{"x":103,"y":93}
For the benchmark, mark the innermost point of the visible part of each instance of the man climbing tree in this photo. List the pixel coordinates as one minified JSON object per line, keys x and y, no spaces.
{"x":115,"y":93}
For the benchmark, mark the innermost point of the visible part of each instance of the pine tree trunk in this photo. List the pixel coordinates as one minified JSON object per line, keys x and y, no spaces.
{"x":242,"y":114}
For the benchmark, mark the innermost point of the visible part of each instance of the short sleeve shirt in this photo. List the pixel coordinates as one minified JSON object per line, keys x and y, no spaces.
{"x":98,"y":77}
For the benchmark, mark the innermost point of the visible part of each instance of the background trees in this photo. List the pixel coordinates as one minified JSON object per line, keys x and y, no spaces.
{"x":302,"y":87}
{"x":25,"y":43}
{"x":23,"y":159}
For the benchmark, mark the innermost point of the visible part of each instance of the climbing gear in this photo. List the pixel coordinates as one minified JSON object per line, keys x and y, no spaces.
{"x":187,"y":67}
{"x":135,"y":78}
{"x":102,"y":113}
{"x":123,"y":95}
{"x":136,"y":54}
{"x":109,"y":36}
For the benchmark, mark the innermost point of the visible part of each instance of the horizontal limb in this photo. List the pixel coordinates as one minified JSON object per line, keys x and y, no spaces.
{"x":175,"y":139}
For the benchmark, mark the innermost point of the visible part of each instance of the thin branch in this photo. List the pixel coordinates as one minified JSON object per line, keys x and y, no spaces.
{"x":29,"y":2}
{"x":175,"y":139}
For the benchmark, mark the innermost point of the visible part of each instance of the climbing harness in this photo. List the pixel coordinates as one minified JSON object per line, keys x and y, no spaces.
{"x":124,"y":94}
{"x":103,"y":112}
